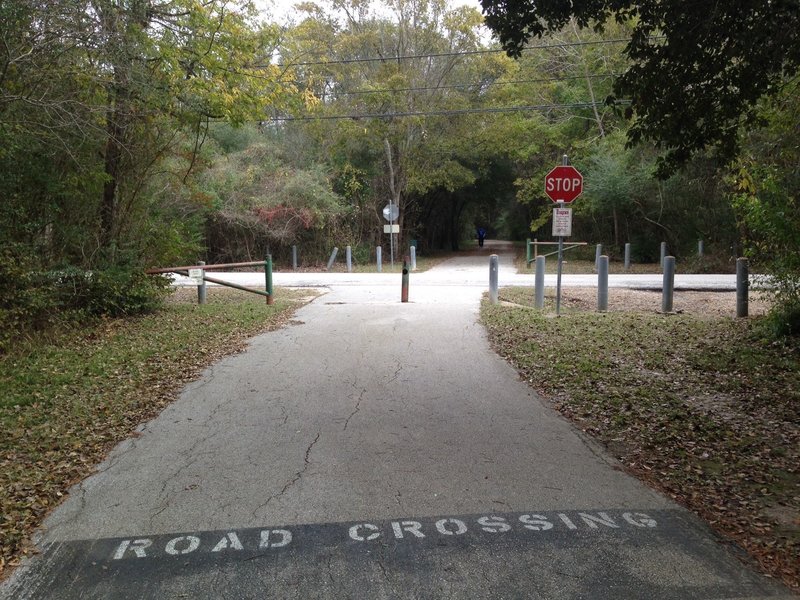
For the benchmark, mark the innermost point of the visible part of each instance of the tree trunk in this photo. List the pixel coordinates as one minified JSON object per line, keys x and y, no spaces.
{"x":113,"y":158}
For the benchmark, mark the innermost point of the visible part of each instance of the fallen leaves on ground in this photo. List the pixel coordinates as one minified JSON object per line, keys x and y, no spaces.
{"x":70,"y":396}
{"x":701,"y":406}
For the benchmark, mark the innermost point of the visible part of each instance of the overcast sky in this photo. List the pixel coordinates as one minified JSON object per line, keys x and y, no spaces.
{"x":281,"y":10}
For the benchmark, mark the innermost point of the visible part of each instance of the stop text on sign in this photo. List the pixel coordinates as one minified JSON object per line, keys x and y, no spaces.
{"x":563,"y":184}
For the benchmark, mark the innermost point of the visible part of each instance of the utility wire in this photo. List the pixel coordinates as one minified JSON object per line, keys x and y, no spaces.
{"x":476,"y":84}
{"x":445,"y":54}
{"x":447,"y":112}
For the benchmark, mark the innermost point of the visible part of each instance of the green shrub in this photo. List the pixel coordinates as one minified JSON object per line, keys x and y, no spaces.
{"x":33,"y":299}
{"x":112,"y":292}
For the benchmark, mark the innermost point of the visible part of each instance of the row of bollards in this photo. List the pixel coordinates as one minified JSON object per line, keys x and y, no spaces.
{"x":412,"y":258}
{"x":601,"y":265}
{"x":599,"y":251}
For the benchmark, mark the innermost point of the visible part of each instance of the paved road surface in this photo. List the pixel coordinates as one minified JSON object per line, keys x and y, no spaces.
{"x":373,"y":450}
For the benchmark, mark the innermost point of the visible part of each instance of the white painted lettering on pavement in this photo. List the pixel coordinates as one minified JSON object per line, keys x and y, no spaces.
{"x":193,"y":544}
{"x":230,"y":540}
{"x":266,"y":538}
{"x":535,"y":522}
{"x":136,"y":546}
{"x":460,"y":527}
{"x":369,"y":526}
{"x":412,"y":527}
{"x":494,"y":524}
{"x":401,"y":530}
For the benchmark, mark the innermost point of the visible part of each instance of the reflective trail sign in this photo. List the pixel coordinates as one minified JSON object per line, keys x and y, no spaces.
{"x":563,"y":184}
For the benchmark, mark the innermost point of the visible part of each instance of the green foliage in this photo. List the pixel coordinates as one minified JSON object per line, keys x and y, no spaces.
{"x":764,"y":196}
{"x":696,"y":73}
{"x":24,"y":301}
{"x":231,"y":138}
{"x":33,"y":298}
{"x":113,"y":292}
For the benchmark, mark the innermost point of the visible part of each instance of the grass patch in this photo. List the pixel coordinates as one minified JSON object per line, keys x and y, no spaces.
{"x":70,"y":395}
{"x":579,"y":266}
{"x":704,"y":408}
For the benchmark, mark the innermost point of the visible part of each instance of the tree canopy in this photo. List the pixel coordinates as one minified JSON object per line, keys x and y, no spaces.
{"x":697,"y":70}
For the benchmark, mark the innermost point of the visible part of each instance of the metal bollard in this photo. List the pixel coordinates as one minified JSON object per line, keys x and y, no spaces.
{"x":627,"y":256}
{"x":413,"y":258}
{"x":201,"y":288}
{"x":268,"y":277}
{"x":494,"y":268}
{"x":663,"y":254}
{"x":528,"y":252}
{"x":332,"y":258}
{"x":700,"y":248}
{"x":668,"y":287}
{"x":378,"y":258}
{"x":348,"y":258}
{"x":539,"y":283}
{"x":598,"y":250}
{"x":742,"y":287}
{"x":294,"y":258}
{"x":602,"y":284}
{"x":404,"y":291}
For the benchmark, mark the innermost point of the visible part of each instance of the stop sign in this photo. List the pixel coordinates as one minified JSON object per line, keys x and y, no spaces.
{"x":563,"y":184}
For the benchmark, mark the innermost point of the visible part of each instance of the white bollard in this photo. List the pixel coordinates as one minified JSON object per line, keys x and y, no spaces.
{"x":332,"y":259}
{"x":494,"y":267}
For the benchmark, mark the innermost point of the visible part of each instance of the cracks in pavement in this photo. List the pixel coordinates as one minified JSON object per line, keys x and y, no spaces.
{"x":396,"y":374}
{"x":358,"y":404}
{"x":295,"y":478}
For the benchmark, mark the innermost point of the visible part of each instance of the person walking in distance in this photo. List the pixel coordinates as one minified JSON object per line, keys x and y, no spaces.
{"x":481,"y":236}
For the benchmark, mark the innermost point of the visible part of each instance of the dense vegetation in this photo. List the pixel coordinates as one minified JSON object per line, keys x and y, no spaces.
{"x":148,"y":132}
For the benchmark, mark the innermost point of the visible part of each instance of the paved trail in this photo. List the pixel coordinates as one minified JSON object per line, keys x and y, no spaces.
{"x":373,"y":450}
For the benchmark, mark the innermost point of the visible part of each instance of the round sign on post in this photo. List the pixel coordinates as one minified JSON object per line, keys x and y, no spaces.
{"x":563,"y":184}
{"x":391,"y":212}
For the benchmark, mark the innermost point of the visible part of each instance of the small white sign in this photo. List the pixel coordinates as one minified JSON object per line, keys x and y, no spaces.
{"x":562,"y":222}
{"x":391,"y":228}
{"x":196,"y":275}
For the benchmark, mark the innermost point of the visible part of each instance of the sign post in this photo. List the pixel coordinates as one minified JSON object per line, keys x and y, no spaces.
{"x":390,"y":213}
{"x":562,"y":185}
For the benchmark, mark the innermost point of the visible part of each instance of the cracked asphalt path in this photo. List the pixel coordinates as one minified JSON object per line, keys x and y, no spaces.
{"x":373,"y":450}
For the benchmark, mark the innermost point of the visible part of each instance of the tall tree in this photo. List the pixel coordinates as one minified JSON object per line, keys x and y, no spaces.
{"x":697,"y":69}
{"x":114,"y":87}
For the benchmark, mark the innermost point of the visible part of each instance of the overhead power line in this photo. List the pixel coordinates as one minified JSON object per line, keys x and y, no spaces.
{"x":447,"y":112}
{"x":346,"y":61}
{"x":476,"y":84}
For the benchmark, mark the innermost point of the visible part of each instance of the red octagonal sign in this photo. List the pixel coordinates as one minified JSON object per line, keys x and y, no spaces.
{"x":563,"y":184}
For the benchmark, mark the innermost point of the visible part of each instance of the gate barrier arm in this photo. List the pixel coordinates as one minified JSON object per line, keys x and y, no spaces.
{"x":267,"y":264}
{"x":537,"y":243}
